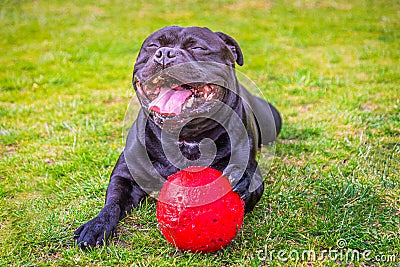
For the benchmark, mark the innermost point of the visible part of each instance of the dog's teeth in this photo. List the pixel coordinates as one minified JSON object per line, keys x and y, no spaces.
{"x":189,"y":102}
{"x":159,"y":78}
{"x":207,"y":89}
{"x":210,"y":96}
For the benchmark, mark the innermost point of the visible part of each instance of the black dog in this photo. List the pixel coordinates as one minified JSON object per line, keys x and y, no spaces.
{"x":197,"y":113}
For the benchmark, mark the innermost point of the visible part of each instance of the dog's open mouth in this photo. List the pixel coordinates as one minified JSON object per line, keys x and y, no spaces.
{"x":169,"y":98}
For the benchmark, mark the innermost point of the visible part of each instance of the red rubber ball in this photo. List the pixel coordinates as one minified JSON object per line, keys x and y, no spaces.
{"x":198,"y":211}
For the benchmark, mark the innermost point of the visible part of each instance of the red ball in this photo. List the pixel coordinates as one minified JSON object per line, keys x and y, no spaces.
{"x":198,"y":211}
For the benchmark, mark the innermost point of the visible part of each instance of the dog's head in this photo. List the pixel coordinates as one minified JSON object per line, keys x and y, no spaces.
{"x":178,"y":71}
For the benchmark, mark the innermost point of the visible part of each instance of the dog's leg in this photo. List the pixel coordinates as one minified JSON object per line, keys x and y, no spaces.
{"x":122,"y":195}
{"x":277,"y":118}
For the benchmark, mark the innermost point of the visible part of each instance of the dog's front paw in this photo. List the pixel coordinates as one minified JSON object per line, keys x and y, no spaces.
{"x":98,"y":230}
{"x":239,"y":179}
{"x":249,"y":187}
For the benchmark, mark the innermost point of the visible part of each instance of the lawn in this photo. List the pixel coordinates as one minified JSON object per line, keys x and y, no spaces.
{"x":331,"y":67}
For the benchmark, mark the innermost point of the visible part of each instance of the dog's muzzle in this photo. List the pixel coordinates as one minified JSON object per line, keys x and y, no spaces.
{"x":167,"y":97}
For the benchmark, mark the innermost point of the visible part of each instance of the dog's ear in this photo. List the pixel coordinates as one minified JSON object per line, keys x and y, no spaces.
{"x":233,"y":46}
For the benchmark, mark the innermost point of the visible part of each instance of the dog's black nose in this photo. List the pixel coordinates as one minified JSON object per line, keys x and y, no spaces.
{"x":165,"y":56}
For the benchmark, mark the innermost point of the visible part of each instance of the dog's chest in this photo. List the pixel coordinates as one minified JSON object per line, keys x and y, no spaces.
{"x":189,"y":150}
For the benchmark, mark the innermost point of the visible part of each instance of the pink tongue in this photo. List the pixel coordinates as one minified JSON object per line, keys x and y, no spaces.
{"x":169,"y":101}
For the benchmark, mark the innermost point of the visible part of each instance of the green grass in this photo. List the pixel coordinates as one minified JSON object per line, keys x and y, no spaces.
{"x":331,"y":67}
